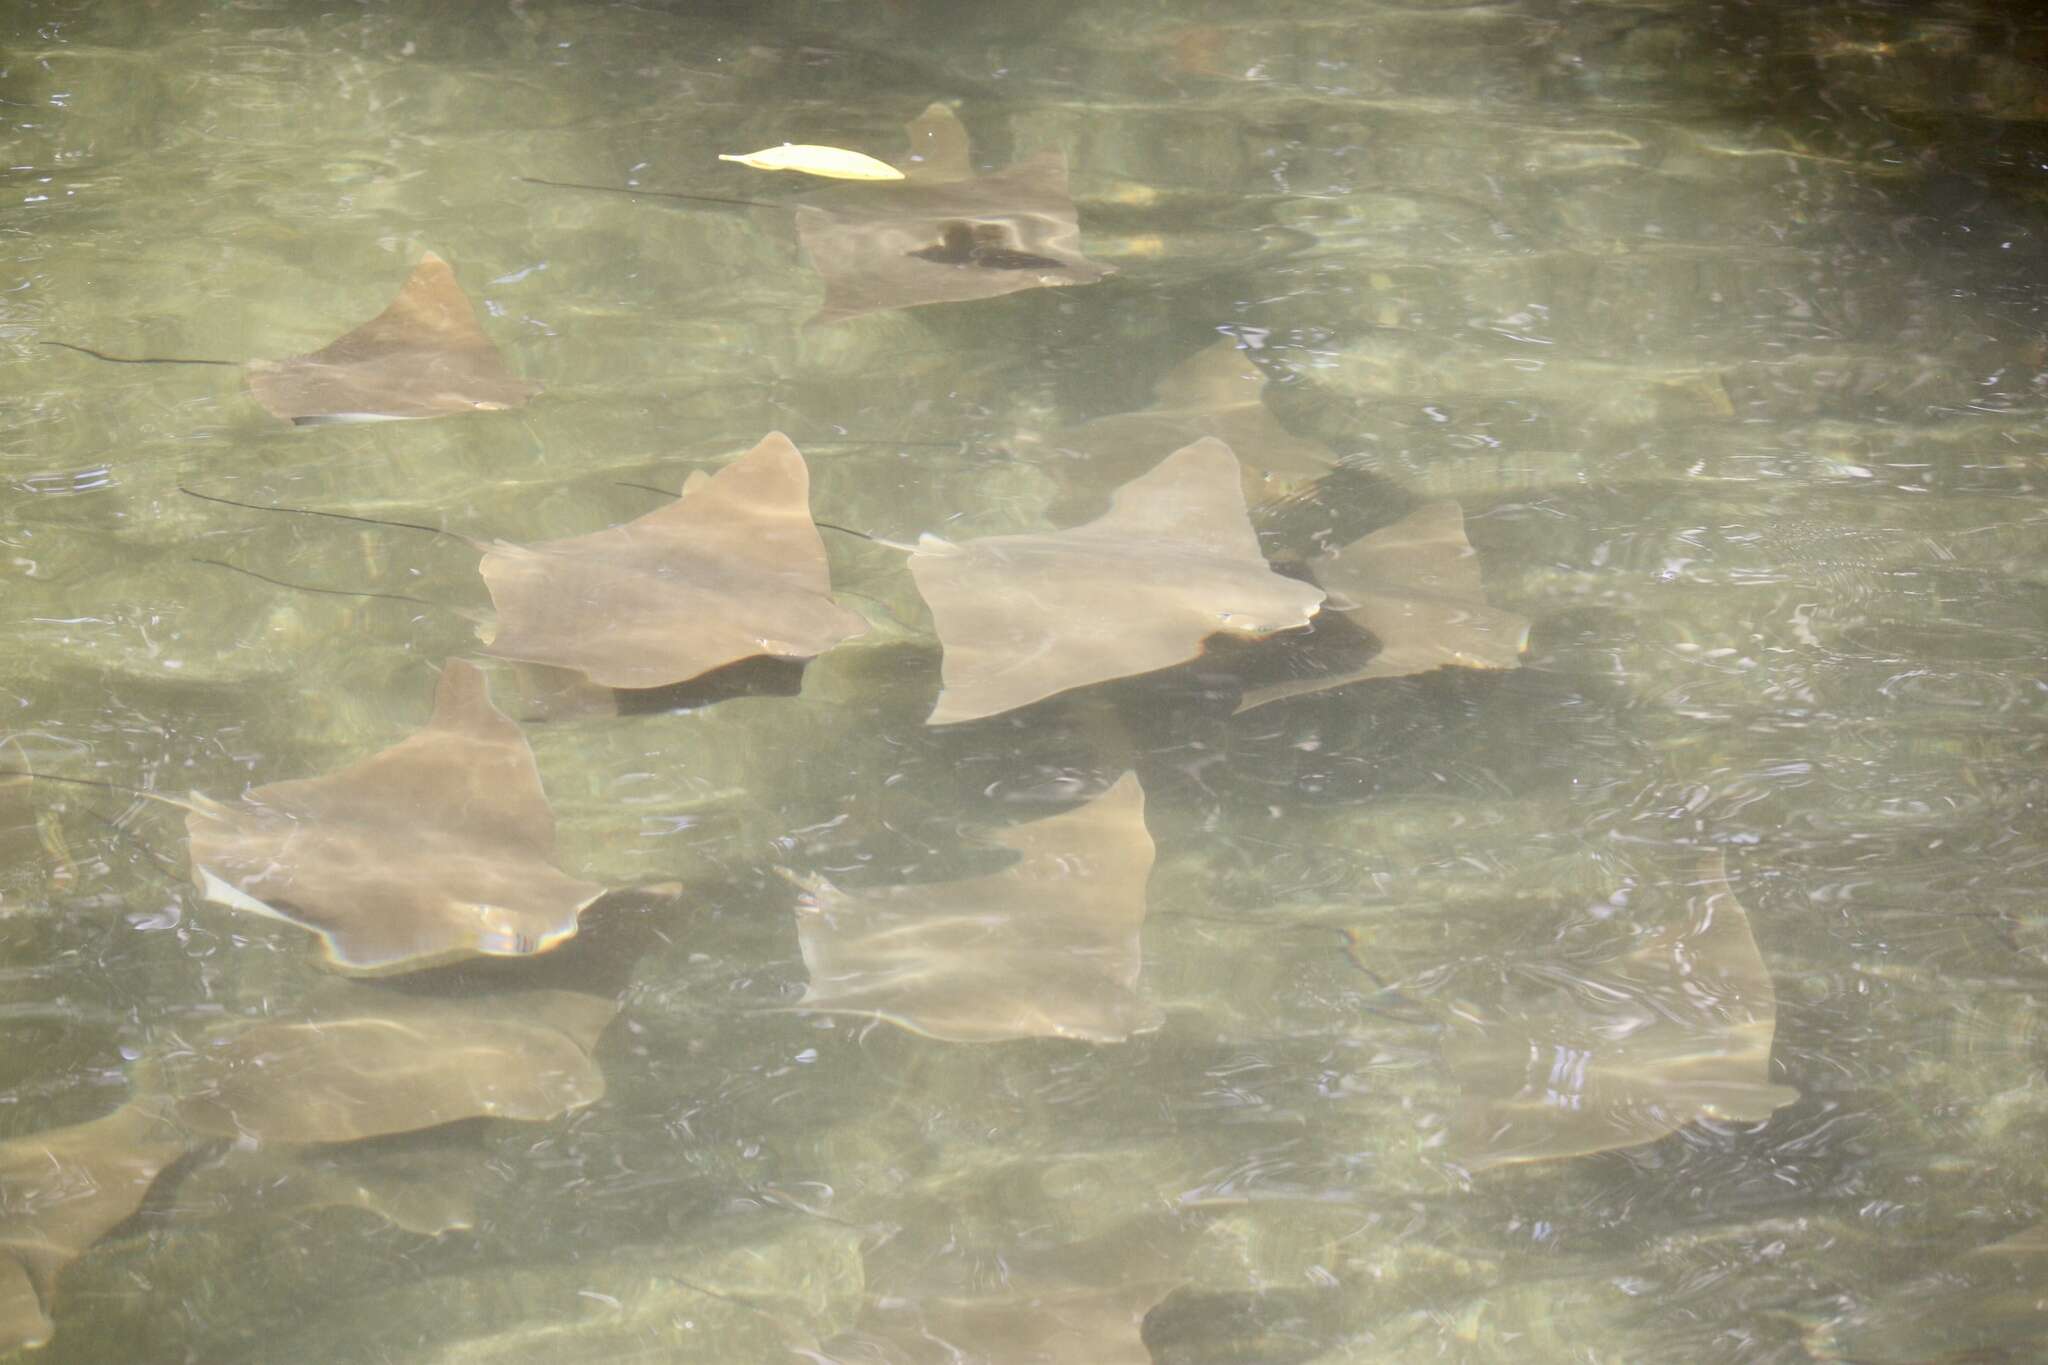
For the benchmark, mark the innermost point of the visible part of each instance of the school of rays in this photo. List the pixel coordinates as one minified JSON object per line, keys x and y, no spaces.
{"x":440,"y":848}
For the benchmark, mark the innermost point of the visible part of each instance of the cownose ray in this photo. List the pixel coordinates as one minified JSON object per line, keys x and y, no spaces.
{"x":427,"y":1192}
{"x":361,"y":1063}
{"x":60,"y":1192}
{"x":1415,"y":586}
{"x":1215,"y":392}
{"x":1044,"y":1324}
{"x":1983,"y":1305}
{"x":424,"y":356}
{"x":945,"y":235}
{"x":1592,"y":1058}
{"x":1172,"y":562}
{"x":430,"y":851}
{"x":1045,"y":948}
{"x":21,"y":837}
{"x":364,"y":1062}
{"x":1024,"y":1299}
{"x":732,"y":569}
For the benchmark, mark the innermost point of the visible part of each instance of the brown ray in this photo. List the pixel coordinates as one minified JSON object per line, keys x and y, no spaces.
{"x":944,"y":235}
{"x":732,"y":569}
{"x":1982,"y":1307}
{"x":367,"y":1062}
{"x":1591,"y":1057}
{"x":1216,"y":392}
{"x":1023,"y":1302}
{"x":61,"y":1191}
{"x":432,"y":850}
{"x":21,"y":843}
{"x":424,"y":1192}
{"x":1415,"y":586}
{"x":1057,"y":1324}
{"x":1046,"y":948}
{"x":1173,"y":562}
{"x":424,"y":356}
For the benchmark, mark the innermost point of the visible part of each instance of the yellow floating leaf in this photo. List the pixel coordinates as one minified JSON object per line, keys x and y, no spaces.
{"x":834,"y":163}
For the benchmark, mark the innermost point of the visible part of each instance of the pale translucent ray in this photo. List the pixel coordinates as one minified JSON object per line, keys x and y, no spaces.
{"x":1987,"y":1304}
{"x":1588,"y":1059}
{"x":1052,"y":1325}
{"x":61,"y":1191}
{"x":423,"y":1192}
{"x":1173,"y":562}
{"x":1415,"y":585}
{"x":1027,"y":1301}
{"x":21,"y":844}
{"x":366,"y":1062}
{"x":424,"y":356}
{"x":1046,"y":948}
{"x":432,"y":850}
{"x":1216,"y":392}
{"x":732,"y":569}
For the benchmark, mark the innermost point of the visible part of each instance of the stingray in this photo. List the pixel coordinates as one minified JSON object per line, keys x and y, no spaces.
{"x":1216,"y":392}
{"x":928,"y":241}
{"x":368,"y":1063}
{"x":947,"y":236}
{"x":943,"y":235}
{"x":430,"y":851}
{"x":1052,"y":1324}
{"x":1415,"y":587}
{"x":1173,"y":562}
{"x":61,"y":1191}
{"x":424,"y":356}
{"x":424,"y":1192}
{"x":1073,"y":1303}
{"x":1046,"y":948}
{"x":1675,"y":1028}
{"x":21,"y":838}
{"x":732,"y":569}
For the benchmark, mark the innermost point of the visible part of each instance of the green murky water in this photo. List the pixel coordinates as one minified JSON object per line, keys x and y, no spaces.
{"x":1722,"y":326}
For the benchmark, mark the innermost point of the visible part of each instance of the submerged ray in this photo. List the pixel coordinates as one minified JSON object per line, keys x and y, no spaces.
{"x":21,"y":844}
{"x":1046,"y":948}
{"x":945,"y":235}
{"x":423,"y":1192}
{"x":1027,"y":1299}
{"x":1415,"y":586}
{"x":1173,"y":562}
{"x":423,"y":356}
{"x":430,"y":851}
{"x":1216,"y":392}
{"x":1678,"y":1027}
{"x":366,"y":1063}
{"x":731,"y":570}
{"x":61,"y":1191}
{"x":1054,"y":1324}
